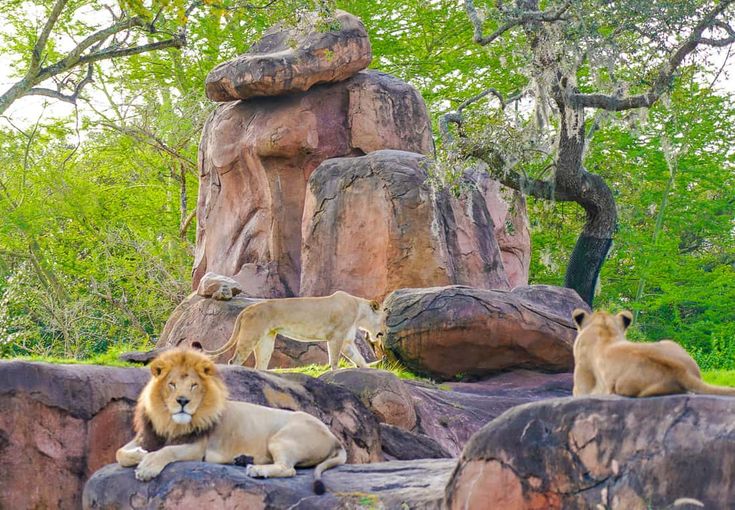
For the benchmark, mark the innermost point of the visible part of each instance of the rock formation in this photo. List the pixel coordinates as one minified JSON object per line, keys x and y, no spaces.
{"x":256,"y":156}
{"x":605,"y":452}
{"x":217,"y":286}
{"x":450,"y":332}
{"x":374,"y":224}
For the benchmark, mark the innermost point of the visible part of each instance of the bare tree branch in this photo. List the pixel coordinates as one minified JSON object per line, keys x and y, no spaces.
{"x":666,"y":74}
{"x":45,"y":33}
{"x":456,"y":116}
{"x":523,"y":18}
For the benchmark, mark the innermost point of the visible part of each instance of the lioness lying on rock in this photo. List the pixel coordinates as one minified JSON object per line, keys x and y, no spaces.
{"x":333,"y":319}
{"x":605,"y":363}
{"x":183,"y":414}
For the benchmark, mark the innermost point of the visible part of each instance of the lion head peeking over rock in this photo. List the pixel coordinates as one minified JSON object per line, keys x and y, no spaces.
{"x":183,"y":414}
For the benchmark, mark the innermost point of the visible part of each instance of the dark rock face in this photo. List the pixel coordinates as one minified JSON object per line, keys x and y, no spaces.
{"x":293,"y":60}
{"x":395,"y":485}
{"x":373,"y":224}
{"x":450,"y":332}
{"x":400,"y":444}
{"x":451,"y":413}
{"x":60,"y":423}
{"x":609,"y":452}
{"x":256,"y":156}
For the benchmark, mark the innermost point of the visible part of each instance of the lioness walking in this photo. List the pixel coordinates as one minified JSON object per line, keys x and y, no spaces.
{"x":333,"y":319}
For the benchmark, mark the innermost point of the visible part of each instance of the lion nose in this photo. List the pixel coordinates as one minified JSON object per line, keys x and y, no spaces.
{"x":182,"y":401}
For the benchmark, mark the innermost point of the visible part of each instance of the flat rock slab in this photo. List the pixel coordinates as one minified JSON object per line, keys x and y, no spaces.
{"x":288,"y":60}
{"x":604,"y":452}
{"x":389,"y":485}
{"x":456,"y":332}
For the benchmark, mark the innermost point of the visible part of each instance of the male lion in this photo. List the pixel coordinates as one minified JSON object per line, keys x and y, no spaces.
{"x":605,"y":363}
{"x":333,"y":319}
{"x":183,"y":414}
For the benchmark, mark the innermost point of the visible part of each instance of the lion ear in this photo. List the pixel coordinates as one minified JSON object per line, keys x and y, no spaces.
{"x":374,"y":305}
{"x":626,"y":318}
{"x":158,"y":367}
{"x":206,"y":368}
{"x":579,"y":315}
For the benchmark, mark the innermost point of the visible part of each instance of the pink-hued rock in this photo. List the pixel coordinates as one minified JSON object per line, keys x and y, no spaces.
{"x":373,"y":224}
{"x":289,"y":60}
{"x":605,"y":452}
{"x":60,"y":423}
{"x":507,"y":208}
{"x":255,"y":159}
{"x":218,"y":287}
{"x":455,"y":331}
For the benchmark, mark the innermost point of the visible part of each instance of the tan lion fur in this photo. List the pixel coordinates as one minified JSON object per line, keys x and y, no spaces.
{"x":606,"y":363}
{"x":333,"y":319}
{"x":183,"y":414}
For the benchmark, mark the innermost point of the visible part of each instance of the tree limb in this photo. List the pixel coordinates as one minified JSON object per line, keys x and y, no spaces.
{"x":38,"y":48}
{"x":523,"y":18}
{"x":666,"y":74}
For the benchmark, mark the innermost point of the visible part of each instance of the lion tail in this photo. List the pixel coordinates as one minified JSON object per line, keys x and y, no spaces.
{"x":338,"y":457}
{"x":229,"y":343}
{"x":698,"y":386}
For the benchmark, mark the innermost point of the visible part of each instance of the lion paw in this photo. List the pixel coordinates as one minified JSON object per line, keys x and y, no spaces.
{"x":254,"y":471}
{"x":149,"y":468}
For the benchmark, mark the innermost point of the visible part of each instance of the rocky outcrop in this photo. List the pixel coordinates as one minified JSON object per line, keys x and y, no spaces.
{"x":452,"y":412}
{"x":395,"y":485}
{"x":401,"y":444}
{"x":217,"y":286}
{"x":507,"y":208}
{"x":211,"y":322}
{"x":255,"y":158}
{"x":607,"y":452}
{"x":288,"y":60}
{"x":459,"y":332}
{"x":60,"y":423}
{"x":382,"y":392}
{"x":373,"y":224}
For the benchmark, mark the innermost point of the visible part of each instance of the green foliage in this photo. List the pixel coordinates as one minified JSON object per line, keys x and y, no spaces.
{"x":719,"y":377}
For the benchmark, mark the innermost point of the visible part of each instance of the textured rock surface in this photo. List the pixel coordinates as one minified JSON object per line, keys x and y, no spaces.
{"x":373,"y":224}
{"x":449,"y":332}
{"x":507,"y":208}
{"x":382,"y":392}
{"x":451,"y":413}
{"x":255,"y":158}
{"x":59,"y":423}
{"x":219,"y":287}
{"x":400,"y":444}
{"x":210,"y":322}
{"x":288,"y":60}
{"x":612,"y":452}
{"x":395,"y":485}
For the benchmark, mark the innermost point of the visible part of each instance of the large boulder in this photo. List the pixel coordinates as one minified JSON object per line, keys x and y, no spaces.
{"x":388,"y":485}
{"x":217,"y":286}
{"x":606,"y":452}
{"x":211,"y":322}
{"x":459,"y":332}
{"x":374,"y":224}
{"x":387,"y":397}
{"x":288,"y":60}
{"x":256,"y":156}
{"x":60,"y":423}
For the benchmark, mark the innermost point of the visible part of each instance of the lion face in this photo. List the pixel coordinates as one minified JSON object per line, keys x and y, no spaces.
{"x":373,"y":322}
{"x":185,"y":393}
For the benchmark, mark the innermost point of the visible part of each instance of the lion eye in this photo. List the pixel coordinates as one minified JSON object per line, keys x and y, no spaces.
{"x":172,"y":385}
{"x":194,"y":386}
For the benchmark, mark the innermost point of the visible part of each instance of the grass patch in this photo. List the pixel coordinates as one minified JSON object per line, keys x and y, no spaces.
{"x":108,"y":359}
{"x":316,"y":370}
{"x":719,"y":377}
